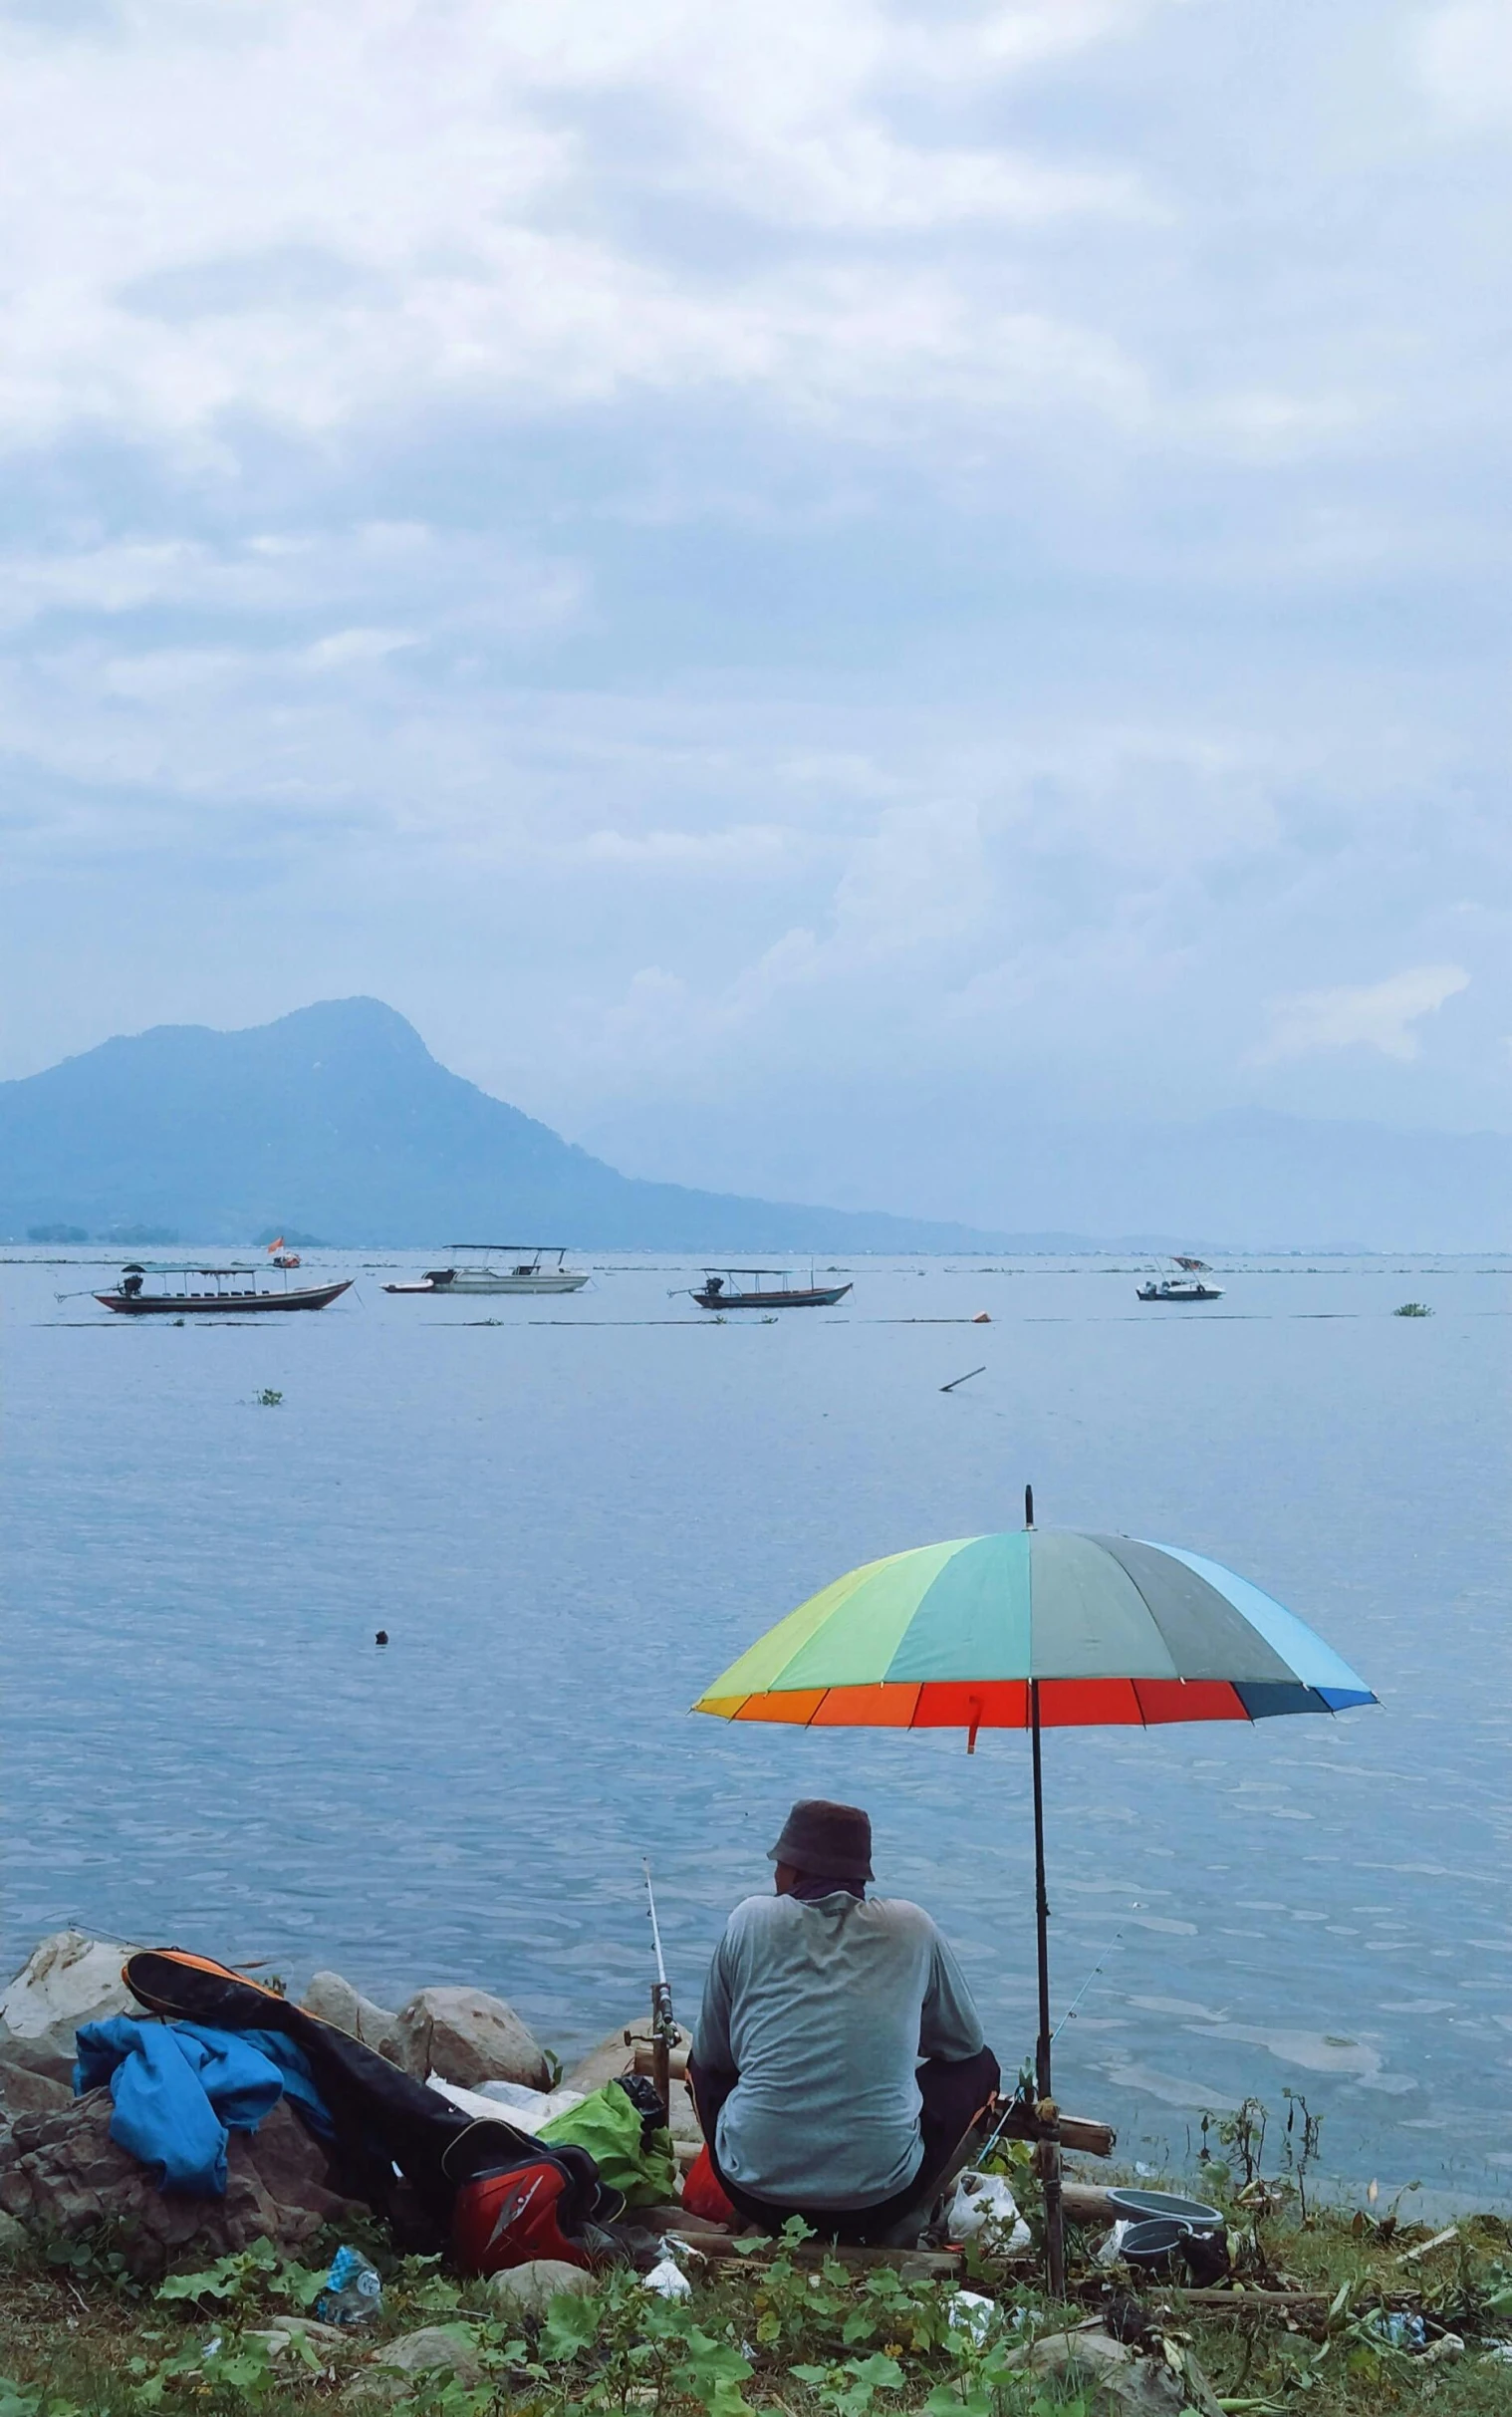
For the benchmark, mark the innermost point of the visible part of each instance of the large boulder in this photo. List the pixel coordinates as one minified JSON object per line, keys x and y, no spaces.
{"x":611,"y":2057}
{"x":335,"y":2000}
{"x":60,"y":2174}
{"x":67,"y":1979}
{"x":25,"y":2092}
{"x":466,"y":2036}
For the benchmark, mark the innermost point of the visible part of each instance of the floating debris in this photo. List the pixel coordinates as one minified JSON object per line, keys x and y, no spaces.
{"x":964,"y":1380}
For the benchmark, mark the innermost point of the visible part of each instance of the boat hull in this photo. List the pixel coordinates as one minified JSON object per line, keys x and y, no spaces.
{"x":476,"y":1288}
{"x":1175,"y":1301}
{"x":225,"y":1304}
{"x":815,"y":1296}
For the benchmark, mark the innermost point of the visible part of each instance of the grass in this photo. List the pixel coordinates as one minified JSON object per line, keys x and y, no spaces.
{"x":799,"y":2336}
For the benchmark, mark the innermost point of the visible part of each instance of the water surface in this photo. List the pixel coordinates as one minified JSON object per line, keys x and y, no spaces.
{"x":570,"y":1516}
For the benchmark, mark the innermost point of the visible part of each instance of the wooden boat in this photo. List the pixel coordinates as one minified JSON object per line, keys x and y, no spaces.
{"x":219,"y":1291}
{"x":718,"y":1290}
{"x":528,"y":1273}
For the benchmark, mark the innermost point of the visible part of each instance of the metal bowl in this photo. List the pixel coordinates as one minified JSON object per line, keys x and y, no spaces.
{"x":1153,"y":2245}
{"x":1148,"y":2206}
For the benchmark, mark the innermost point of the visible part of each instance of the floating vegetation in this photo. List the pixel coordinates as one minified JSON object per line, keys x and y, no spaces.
{"x":1412,"y":1309}
{"x":267,"y":1398}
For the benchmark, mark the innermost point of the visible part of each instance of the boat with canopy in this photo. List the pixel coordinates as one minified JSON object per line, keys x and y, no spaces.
{"x":721,"y":1290}
{"x":529,"y":1269}
{"x":1189,"y":1284}
{"x":212,"y":1291}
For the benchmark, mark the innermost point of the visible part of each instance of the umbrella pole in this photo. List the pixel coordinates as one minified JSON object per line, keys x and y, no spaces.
{"x":1050,"y":2148}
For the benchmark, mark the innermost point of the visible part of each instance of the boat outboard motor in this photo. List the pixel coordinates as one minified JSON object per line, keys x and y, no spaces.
{"x":714,"y":1287}
{"x":131,"y":1282}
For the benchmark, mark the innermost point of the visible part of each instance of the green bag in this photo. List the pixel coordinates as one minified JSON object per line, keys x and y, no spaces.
{"x":632,"y":2154}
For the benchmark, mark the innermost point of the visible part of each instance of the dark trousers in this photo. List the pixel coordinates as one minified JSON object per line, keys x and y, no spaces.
{"x":954,"y":2096}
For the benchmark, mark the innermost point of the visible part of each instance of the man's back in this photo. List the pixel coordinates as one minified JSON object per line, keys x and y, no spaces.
{"x":824,"y":2007}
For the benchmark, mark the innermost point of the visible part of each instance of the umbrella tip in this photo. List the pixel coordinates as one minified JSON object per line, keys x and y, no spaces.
{"x":1028,"y":1505}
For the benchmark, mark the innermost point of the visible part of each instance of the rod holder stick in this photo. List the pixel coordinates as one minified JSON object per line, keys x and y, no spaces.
{"x":1050,"y":2145}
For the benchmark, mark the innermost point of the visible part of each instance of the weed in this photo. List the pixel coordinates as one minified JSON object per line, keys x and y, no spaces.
{"x":269,"y":1399}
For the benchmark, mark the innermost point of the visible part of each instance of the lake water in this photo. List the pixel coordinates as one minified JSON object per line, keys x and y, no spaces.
{"x":570,"y":1516}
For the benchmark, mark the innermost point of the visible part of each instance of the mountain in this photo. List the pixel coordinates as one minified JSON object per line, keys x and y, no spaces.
{"x":336,"y":1120}
{"x":1243,"y":1179}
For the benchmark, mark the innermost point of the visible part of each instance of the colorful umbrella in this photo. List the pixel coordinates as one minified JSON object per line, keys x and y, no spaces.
{"x":1044,"y":1628}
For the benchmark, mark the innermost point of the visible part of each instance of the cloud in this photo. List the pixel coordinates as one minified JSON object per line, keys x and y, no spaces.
{"x":940,"y":543}
{"x":1375,"y":1015}
{"x":1465,"y":52}
{"x":319,"y":218}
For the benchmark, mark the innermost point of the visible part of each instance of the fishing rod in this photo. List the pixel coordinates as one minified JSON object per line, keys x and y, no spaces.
{"x":1086,"y":1986}
{"x":1025,"y":2090}
{"x":663,"y":2025}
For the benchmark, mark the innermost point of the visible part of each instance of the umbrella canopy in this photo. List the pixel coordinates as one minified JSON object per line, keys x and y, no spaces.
{"x":1038,"y":1628}
{"x":1098,"y":1629}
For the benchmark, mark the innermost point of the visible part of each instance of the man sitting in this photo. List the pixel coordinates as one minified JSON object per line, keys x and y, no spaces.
{"x":805,"y":2065}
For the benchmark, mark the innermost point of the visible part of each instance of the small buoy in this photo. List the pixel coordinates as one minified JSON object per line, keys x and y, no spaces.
{"x":983,"y":1317}
{"x":381,"y":1638}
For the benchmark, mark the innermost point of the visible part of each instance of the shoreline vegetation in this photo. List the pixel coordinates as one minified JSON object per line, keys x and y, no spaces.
{"x":1340,"y":2310}
{"x":117,"y":2301}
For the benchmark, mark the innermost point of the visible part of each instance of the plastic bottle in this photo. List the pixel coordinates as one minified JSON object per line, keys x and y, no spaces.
{"x":353,"y":2292}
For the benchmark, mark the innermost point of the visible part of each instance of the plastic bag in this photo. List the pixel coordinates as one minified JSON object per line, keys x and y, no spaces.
{"x":630,"y":2147}
{"x":984,"y":2207}
{"x":970,"y":2312}
{"x":667,"y":2279}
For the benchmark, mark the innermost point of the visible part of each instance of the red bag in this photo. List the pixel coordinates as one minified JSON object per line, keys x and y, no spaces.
{"x":702,"y":2195}
{"x":507,"y":2219}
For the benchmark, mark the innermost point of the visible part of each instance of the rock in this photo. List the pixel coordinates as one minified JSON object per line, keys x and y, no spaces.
{"x":371,"y":2388}
{"x":329,"y":2342}
{"x":67,"y":1979}
{"x":25,"y":2092}
{"x":60,"y":2174}
{"x":466,"y":2036}
{"x":1122,"y":2382}
{"x":335,"y":2000}
{"x":449,"y":2349}
{"x":524,"y":2293}
{"x":611,"y":2057}
{"x":14,"y":2239}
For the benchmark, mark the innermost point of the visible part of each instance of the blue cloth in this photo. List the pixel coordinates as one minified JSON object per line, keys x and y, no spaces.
{"x":181,"y":2091}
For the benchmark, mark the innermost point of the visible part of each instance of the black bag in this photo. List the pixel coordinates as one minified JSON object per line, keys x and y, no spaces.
{"x":400,"y":2146}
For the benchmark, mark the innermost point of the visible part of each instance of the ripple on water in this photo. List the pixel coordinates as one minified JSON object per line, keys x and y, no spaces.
{"x":565,"y":1527}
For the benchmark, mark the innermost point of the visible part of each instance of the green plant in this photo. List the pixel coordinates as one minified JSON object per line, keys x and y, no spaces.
{"x":1412,"y":1309}
{"x":247,"y":2278}
{"x":99,"y":2257}
{"x":269,"y":1399}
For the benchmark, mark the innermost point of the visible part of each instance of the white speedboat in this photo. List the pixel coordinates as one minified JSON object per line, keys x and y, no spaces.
{"x":1189,"y":1283}
{"x":528,"y":1269}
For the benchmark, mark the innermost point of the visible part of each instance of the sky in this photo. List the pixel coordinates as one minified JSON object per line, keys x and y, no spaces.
{"x":759,"y":571}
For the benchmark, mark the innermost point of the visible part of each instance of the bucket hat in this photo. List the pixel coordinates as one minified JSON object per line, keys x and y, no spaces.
{"x":831,"y":1839}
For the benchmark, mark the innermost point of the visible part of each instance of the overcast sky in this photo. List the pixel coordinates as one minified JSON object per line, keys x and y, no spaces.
{"x":720,"y":555}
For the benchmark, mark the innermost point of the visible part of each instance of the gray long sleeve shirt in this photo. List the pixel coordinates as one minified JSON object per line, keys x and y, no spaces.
{"x":824,"y":2010}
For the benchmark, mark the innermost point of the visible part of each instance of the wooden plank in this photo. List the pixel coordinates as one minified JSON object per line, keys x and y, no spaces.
{"x":1075,"y":2133}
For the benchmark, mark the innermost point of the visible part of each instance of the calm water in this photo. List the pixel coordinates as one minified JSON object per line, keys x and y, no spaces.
{"x":571,"y":1519}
